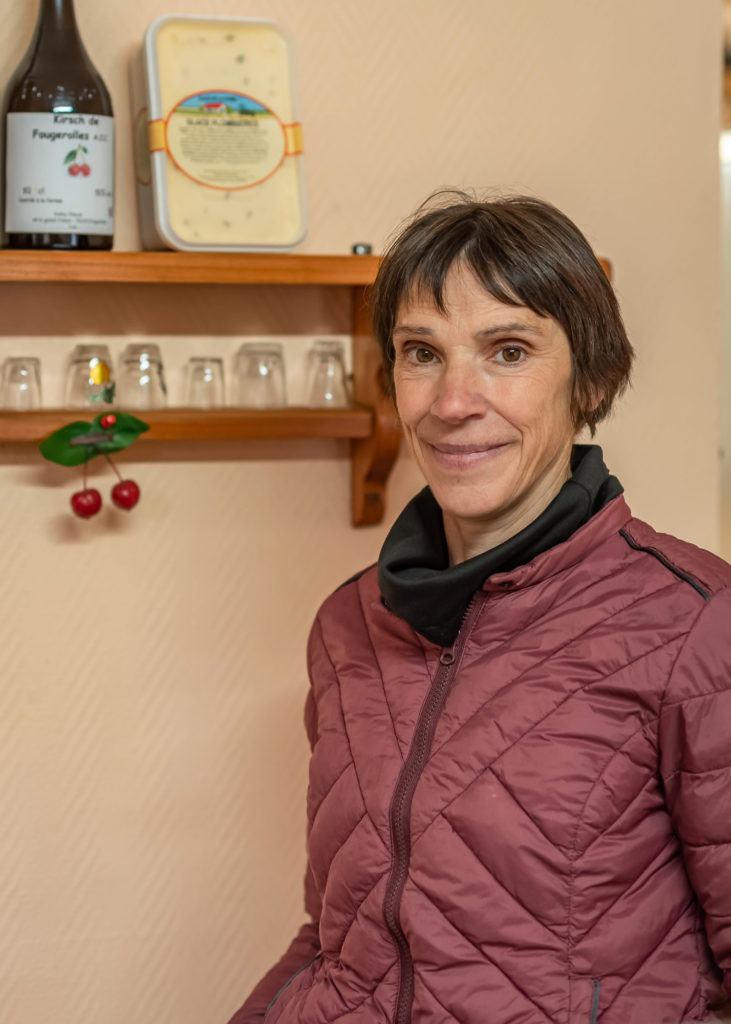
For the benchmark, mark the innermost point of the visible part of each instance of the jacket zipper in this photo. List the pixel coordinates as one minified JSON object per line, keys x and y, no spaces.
{"x":594,"y":1000}
{"x":400,"y":809}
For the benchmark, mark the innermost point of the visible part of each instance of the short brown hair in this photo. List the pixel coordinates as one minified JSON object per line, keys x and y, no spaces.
{"x":524,"y":252}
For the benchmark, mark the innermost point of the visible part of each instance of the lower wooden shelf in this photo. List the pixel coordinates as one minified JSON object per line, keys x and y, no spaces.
{"x":288,"y":424}
{"x":359,"y":424}
{"x":371,"y":426}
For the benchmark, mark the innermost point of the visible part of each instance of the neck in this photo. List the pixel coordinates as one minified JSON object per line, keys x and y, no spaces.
{"x":467,"y":538}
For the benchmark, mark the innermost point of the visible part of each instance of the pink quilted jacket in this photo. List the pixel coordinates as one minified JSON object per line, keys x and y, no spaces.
{"x":533,"y":826}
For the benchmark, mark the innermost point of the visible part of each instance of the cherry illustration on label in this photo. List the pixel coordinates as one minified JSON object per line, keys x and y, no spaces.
{"x":76,"y":162}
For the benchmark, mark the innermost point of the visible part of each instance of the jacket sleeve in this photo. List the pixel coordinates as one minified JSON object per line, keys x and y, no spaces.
{"x":306,"y":944}
{"x":695,"y":761}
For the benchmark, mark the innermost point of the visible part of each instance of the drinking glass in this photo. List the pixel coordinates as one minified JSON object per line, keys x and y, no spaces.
{"x":141,"y":377}
{"x":204,"y":382}
{"x":260,"y":377}
{"x":21,"y":383}
{"x":90,"y":379}
{"x":326,"y":386}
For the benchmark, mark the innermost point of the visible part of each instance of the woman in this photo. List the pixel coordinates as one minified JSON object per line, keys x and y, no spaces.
{"x":520,"y":788}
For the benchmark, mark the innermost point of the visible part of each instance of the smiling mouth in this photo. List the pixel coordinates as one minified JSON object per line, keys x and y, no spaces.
{"x":466,"y":449}
{"x":460,"y":456}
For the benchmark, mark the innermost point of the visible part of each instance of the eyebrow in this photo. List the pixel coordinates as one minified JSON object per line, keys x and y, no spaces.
{"x":513,"y":326}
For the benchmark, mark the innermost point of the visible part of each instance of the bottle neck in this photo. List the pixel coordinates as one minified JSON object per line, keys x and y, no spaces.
{"x":56,"y":28}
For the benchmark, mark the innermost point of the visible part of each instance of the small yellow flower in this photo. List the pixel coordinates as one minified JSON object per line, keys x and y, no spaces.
{"x":99,"y":372}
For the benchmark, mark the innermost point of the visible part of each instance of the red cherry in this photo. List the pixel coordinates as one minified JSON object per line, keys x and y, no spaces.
{"x":74,"y":169}
{"x":125,"y":494}
{"x":86,"y":503}
{"x":85,"y":170}
{"x":108,"y":421}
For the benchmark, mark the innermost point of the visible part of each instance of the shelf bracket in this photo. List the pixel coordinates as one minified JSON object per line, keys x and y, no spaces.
{"x":371,"y":458}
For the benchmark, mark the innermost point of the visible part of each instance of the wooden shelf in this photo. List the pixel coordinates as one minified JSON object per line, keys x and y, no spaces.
{"x":371,"y":426}
{"x":205,"y":425}
{"x":29,"y":266}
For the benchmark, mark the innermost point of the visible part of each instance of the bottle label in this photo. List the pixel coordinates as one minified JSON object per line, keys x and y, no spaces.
{"x":225,"y":140}
{"x":60,"y":174}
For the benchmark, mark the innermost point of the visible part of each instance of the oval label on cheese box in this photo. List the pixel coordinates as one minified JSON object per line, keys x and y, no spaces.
{"x":225,"y":140}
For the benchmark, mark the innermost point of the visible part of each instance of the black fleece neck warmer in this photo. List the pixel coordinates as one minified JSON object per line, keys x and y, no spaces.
{"x":415,"y":577}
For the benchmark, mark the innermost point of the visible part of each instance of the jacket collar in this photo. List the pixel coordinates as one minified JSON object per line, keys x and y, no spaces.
{"x":602,"y":525}
{"x":419,"y":585}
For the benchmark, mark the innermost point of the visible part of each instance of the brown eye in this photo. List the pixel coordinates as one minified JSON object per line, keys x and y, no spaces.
{"x":511,"y":354}
{"x":423,"y":355}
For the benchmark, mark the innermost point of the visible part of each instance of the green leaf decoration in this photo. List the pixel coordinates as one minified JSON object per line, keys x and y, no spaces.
{"x":106,"y":394}
{"x":57,"y":447}
{"x":79,"y":442}
{"x":70,"y":156}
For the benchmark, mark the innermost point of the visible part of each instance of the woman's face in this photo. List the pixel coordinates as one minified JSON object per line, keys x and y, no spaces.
{"x":484,"y":395}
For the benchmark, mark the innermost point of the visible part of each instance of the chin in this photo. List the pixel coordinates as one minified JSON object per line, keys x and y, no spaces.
{"x":468,"y":506}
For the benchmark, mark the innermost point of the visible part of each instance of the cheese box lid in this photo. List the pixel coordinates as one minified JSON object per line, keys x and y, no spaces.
{"x":225,"y":137}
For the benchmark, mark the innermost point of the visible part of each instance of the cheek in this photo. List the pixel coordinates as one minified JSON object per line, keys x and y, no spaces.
{"x":564,"y":400}
{"x":411,"y":400}
{"x":538,"y":409}
{"x":559,"y":426}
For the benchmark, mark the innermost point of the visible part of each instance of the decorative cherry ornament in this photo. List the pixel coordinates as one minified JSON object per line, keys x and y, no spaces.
{"x":77,"y":443}
{"x":125,"y":494}
{"x":86,"y":503}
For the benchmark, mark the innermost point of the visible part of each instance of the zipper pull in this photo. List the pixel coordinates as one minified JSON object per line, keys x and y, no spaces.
{"x":446,"y":657}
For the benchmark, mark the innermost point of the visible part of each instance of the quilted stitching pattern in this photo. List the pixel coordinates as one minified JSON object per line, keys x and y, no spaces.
{"x":542,"y":852}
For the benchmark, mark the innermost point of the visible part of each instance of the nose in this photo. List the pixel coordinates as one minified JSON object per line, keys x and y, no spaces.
{"x":460,"y":393}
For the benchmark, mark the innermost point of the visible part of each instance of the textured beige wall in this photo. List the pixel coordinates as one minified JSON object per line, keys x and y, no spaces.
{"x":151,"y":753}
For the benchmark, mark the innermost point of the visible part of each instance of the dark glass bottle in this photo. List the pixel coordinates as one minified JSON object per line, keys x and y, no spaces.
{"x":59,"y":142}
